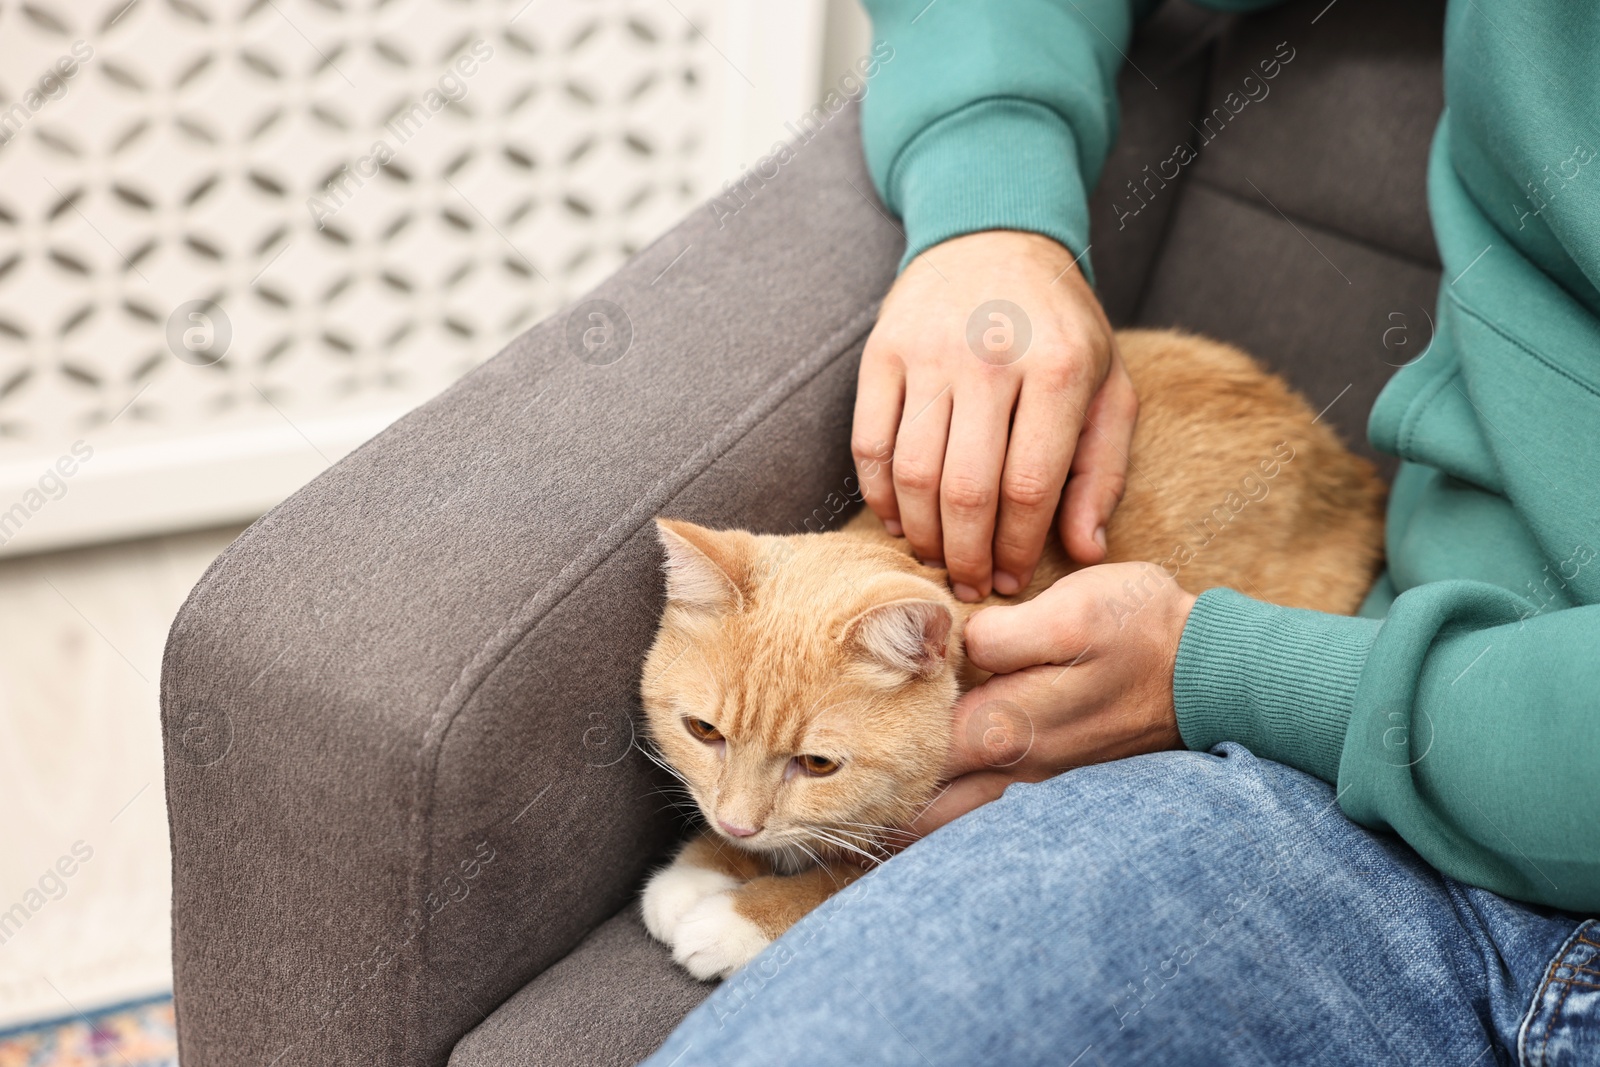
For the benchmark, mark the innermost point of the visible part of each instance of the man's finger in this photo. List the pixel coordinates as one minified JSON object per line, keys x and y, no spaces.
{"x":1013,"y":637}
{"x":992,"y":727}
{"x":1039,"y":454}
{"x":880,"y":394}
{"x":959,"y":797}
{"x":919,"y":463}
{"x":1100,"y":467}
{"x":969,"y":487}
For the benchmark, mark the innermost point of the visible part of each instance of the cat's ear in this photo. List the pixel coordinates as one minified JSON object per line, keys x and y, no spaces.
{"x":706,"y":569}
{"x":908,"y":635}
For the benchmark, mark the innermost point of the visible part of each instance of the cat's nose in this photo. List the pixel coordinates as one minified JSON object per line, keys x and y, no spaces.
{"x":737,"y":831}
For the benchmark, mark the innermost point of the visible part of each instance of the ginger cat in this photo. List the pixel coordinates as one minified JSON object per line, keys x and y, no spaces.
{"x":801,"y":686}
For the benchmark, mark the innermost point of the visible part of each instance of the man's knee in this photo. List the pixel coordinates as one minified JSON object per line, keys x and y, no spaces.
{"x":1152,"y":789}
{"x":1156,"y":813}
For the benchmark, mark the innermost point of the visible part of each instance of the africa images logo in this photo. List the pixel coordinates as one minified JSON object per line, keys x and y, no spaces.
{"x":599,"y":332}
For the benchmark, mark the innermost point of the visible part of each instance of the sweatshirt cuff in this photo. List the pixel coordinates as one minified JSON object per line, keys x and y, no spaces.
{"x":1280,"y":681}
{"x":997,"y":164}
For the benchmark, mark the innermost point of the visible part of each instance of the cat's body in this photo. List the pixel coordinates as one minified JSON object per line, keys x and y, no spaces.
{"x":801,"y":686}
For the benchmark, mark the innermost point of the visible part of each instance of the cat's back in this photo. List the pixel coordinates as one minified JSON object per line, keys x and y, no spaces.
{"x":1232,"y":481}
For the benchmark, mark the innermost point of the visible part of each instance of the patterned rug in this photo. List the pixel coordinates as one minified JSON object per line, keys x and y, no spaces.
{"x":128,"y":1035}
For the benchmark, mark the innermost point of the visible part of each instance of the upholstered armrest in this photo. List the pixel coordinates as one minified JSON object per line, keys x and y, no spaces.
{"x":398,"y":709}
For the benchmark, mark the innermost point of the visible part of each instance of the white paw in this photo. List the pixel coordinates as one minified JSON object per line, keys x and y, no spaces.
{"x":672,"y":891}
{"x":713,"y":940}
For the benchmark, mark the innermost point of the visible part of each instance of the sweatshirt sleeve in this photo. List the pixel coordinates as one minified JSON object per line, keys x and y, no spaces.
{"x":997,"y":114}
{"x":993,"y":115}
{"x":1464,"y":722}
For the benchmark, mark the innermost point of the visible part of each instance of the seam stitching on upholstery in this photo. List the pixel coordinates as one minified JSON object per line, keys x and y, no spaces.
{"x":1212,"y":185}
{"x":1206,"y":50}
{"x":531,"y":612}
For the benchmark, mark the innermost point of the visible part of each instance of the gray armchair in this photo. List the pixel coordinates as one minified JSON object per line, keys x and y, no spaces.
{"x":407,"y":823}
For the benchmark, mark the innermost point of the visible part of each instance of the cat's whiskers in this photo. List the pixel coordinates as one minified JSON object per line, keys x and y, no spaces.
{"x":782,"y":855}
{"x":679,"y":797}
{"x":888,"y":832}
{"x":840,"y":824}
{"x":689,"y":800}
{"x":856,"y":838}
{"x":678,"y":793}
{"x":677,"y":786}
{"x":654,"y":757}
{"x":840,"y":843}
{"x":675,"y":806}
{"x":661,"y":762}
{"x":820,"y":862}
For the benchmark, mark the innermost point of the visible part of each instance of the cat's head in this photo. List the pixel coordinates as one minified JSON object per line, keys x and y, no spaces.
{"x":801,"y":686}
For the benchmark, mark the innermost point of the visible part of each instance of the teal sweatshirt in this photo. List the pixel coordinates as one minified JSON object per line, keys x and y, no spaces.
{"x":1462,"y":710}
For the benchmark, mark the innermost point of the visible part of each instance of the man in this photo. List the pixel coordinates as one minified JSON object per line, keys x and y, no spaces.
{"x":1384,"y":839}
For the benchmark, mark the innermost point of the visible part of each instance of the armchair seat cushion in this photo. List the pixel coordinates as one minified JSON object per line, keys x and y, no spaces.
{"x":610,"y":1001}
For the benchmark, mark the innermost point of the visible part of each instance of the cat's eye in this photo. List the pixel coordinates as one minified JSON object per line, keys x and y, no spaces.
{"x":816,"y":766}
{"x":702,"y":730}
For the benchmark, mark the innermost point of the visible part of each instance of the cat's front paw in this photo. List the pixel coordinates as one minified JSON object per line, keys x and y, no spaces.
{"x":712,"y":939}
{"x":674,"y":890}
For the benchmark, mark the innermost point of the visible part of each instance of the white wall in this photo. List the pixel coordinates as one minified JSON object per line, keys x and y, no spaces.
{"x":179,"y":161}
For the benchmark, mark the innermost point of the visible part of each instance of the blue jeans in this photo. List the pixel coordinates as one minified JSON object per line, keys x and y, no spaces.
{"x":1178,"y":908}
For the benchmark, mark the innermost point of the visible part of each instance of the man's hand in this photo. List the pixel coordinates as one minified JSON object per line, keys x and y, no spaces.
{"x":1082,"y":674}
{"x":992,"y":374}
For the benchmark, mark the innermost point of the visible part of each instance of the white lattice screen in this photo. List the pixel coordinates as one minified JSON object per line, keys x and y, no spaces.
{"x":176,"y":162}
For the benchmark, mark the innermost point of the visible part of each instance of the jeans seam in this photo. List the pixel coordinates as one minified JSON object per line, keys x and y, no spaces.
{"x":1535,"y":1009}
{"x":1538,"y":999}
{"x":1555,"y":1017}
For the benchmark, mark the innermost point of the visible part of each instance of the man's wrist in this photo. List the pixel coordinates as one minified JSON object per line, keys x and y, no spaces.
{"x":1005,"y":244}
{"x":1178,"y":621}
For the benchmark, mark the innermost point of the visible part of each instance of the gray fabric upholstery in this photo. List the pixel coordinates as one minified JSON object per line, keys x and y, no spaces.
{"x":608,"y":1004}
{"x":1173,"y":50}
{"x":1302,"y":234}
{"x":1339,"y":139}
{"x":397,"y":709}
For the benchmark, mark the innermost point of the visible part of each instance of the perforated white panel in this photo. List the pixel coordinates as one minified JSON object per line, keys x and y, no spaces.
{"x":490,"y":160}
